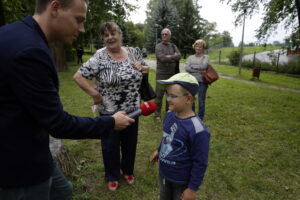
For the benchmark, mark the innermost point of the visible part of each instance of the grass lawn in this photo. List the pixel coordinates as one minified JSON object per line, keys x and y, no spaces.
{"x":225,"y":52}
{"x":254,"y":149}
{"x":284,"y":80}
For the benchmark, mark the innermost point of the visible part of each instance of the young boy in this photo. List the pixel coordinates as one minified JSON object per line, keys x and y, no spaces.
{"x":183,"y":151}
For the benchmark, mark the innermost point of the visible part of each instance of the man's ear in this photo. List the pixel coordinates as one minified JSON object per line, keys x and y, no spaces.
{"x":55,"y":6}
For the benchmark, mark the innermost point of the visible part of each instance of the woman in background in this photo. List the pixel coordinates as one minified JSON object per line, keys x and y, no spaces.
{"x":195,"y":64}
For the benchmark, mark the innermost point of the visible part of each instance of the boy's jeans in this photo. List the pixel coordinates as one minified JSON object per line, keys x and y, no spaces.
{"x":55,"y":188}
{"x":169,"y":190}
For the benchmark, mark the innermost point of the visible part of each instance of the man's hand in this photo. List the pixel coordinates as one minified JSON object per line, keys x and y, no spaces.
{"x":121,"y":120}
{"x":154,"y":157}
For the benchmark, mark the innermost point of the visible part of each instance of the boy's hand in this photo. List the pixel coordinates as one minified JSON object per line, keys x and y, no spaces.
{"x":154,"y":157}
{"x":189,"y":194}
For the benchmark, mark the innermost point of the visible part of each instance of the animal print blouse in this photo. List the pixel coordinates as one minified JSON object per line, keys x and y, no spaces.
{"x":117,"y":82}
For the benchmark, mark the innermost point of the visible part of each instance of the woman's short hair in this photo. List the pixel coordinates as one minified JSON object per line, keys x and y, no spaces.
{"x":197,"y":42}
{"x":110,"y":27}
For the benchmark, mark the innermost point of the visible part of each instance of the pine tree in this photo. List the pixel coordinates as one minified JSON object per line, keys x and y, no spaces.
{"x":163,"y":15}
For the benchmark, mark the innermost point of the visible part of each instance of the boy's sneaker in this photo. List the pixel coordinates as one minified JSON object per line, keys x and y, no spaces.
{"x":113,"y":185}
{"x":129,"y":179}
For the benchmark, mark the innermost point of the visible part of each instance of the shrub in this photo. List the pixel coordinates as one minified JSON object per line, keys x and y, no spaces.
{"x":291,"y":67}
{"x":234,"y":58}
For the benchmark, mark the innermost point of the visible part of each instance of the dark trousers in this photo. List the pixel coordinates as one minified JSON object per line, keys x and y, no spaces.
{"x":201,"y":99}
{"x":169,"y":190}
{"x":79,"y":59}
{"x":124,"y":141}
{"x":55,"y":188}
{"x":160,"y":93}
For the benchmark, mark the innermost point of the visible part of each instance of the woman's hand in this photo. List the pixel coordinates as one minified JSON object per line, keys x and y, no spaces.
{"x":97,"y":98}
{"x":141,"y":68}
{"x":154,"y":157}
{"x":88,"y":88}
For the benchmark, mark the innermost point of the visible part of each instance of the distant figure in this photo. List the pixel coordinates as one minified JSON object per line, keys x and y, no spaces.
{"x":194,"y":65}
{"x":118,"y":74}
{"x":167,"y":56}
{"x":183,"y":150}
{"x":80,"y":53}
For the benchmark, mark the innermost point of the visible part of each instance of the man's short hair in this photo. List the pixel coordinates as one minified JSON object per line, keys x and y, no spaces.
{"x":41,"y":5}
{"x":168,"y":30}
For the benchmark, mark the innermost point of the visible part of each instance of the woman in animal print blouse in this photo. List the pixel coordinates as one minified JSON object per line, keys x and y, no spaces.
{"x":118,"y":78}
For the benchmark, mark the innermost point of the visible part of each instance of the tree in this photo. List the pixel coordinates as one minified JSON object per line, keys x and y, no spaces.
{"x":251,"y":44}
{"x":276,"y":11}
{"x":219,"y":40}
{"x":15,"y":10}
{"x":227,"y":39}
{"x":163,"y":15}
{"x":151,"y":28}
{"x":2,"y":19}
{"x":166,"y":14}
{"x":276,"y":43}
{"x":98,"y":11}
{"x":136,"y":35}
{"x":189,"y":27}
{"x":294,"y":40}
{"x":240,"y":44}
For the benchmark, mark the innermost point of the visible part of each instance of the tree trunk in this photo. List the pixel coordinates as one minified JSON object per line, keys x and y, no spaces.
{"x":64,"y":160}
{"x":59,"y":55}
{"x":2,"y":19}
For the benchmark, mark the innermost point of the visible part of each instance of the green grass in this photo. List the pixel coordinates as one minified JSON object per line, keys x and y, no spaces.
{"x":225,"y":52}
{"x":254,"y":149}
{"x":283,"y":80}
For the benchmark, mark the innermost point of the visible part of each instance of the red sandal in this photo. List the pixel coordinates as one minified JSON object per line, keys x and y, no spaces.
{"x":113,"y":185}
{"x":129,"y":179}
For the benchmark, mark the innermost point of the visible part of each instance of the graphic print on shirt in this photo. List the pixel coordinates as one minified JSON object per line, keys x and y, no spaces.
{"x":171,"y":147}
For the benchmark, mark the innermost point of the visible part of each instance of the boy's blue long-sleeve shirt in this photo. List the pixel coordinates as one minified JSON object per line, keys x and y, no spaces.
{"x":183,"y":152}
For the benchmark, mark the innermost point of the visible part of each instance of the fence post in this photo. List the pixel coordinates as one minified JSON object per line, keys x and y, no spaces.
{"x":220,"y":57}
{"x":254,"y":56}
{"x":277,"y":62}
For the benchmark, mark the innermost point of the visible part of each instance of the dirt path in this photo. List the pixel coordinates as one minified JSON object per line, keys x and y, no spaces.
{"x":152,"y":64}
